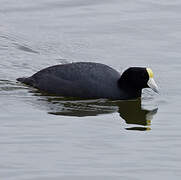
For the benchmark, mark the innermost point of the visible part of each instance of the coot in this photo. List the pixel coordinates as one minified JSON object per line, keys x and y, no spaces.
{"x":92,"y":80}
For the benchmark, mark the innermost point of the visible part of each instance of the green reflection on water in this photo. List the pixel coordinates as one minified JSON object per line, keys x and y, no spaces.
{"x":131,"y":111}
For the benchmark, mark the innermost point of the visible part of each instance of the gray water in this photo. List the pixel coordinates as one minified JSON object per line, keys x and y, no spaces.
{"x":48,"y":137}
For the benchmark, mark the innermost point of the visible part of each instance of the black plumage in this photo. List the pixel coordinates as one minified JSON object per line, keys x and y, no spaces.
{"x":89,"y":80}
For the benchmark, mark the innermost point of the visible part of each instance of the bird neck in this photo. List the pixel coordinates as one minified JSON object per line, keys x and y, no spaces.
{"x":128,"y":90}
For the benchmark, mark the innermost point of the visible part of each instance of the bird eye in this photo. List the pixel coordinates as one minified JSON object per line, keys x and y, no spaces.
{"x":143,"y":76}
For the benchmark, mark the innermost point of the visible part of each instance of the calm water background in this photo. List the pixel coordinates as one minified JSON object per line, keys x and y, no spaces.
{"x":43,"y":137}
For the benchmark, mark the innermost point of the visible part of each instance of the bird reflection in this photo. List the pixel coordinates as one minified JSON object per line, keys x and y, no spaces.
{"x":131,"y":111}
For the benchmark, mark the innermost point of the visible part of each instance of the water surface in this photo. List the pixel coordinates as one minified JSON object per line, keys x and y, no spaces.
{"x":49,"y":137}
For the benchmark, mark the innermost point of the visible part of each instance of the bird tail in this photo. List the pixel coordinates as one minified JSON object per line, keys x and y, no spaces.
{"x":25,"y":80}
